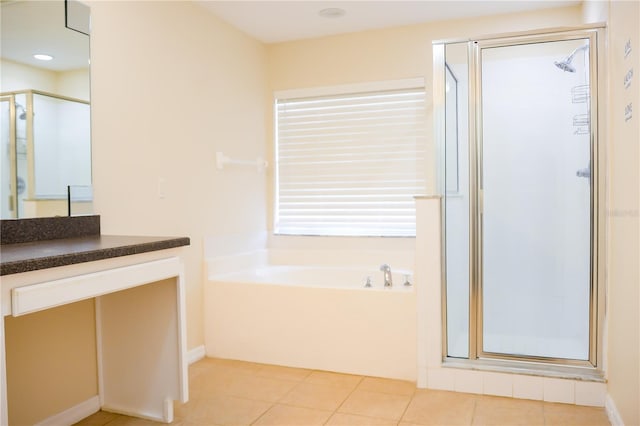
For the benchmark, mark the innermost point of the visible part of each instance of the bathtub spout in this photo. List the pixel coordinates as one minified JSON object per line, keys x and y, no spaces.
{"x":386,"y":269}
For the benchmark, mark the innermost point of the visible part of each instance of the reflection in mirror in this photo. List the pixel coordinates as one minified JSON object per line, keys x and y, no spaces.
{"x":46,"y":144}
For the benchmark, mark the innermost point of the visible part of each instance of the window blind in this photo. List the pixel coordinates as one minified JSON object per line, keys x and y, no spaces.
{"x":349,"y":165}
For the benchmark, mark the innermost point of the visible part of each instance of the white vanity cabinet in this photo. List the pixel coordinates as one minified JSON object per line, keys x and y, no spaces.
{"x":140,"y":329}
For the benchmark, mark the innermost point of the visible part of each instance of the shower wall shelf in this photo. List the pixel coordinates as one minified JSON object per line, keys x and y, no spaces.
{"x":581,"y":120}
{"x":222,"y":160}
{"x":580,"y":94}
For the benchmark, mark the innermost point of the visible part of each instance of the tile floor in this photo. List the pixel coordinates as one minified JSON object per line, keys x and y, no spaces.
{"x":226,"y":392}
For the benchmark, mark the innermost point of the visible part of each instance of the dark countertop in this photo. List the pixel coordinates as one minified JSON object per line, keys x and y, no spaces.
{"x":31,"y":256}
{"x":14,"y":231}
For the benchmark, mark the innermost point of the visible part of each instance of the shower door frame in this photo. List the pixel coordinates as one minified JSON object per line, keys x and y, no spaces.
{"x":13,"y":204}
{"x":476,"y":355}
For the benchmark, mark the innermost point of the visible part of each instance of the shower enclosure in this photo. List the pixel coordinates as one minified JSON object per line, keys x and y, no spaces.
{"x":45,"y":162}
{"x":519,"y":156}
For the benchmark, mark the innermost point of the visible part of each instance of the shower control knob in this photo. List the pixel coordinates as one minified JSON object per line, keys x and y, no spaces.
{"x":407,"y":283}
{"x":585,"y":173}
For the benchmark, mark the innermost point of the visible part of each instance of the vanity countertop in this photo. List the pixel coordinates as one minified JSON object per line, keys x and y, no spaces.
{"x":30,"y":256}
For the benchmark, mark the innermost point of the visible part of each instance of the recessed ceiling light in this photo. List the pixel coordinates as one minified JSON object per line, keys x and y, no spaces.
{"x":332,"y":12}
{"x":43,"y":57}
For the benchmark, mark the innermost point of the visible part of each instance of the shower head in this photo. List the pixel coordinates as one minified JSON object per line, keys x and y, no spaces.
{"x":23,"y":115}
{"x":565,"y":64}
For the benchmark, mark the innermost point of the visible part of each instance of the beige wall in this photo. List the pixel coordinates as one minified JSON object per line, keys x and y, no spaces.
{"x":74,"y":83}
{"x":15,"y":77}
{"x":623,"y":362}
{"x":171,"y":85}
{"x":389,"y":54}
{"x":623,"y":208}
{"x":51,"y":361}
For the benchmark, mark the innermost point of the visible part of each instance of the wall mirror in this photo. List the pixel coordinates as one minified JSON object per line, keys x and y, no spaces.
{"x":45,"y":146}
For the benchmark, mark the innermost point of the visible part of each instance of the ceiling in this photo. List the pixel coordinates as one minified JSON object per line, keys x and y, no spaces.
{"x":277,"y":21}
{"x":30,"y":27}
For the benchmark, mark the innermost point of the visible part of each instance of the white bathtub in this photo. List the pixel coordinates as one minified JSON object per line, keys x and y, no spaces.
{"x":312,"y":316}
{"x":319,"y":276}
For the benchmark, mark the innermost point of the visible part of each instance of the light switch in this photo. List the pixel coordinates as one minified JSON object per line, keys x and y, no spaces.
{"x":162,"y":182}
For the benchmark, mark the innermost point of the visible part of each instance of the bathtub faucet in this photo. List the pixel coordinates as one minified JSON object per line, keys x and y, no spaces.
{"x":388,"y":282}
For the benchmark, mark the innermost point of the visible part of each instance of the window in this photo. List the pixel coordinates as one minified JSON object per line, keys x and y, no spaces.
{"x":350,"y":164}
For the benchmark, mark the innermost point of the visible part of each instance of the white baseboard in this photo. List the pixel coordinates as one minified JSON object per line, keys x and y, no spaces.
{"x":127,"y":411}
{"x":196,"y":354}
{"x":74,"y":414}
{"x":612,"y":412}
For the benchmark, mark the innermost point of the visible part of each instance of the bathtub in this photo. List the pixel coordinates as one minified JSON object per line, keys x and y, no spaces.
{"x":318,"y":276}
{"x":317,"y":316}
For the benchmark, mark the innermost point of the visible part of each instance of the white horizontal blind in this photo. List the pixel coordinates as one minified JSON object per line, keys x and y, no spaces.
{"x":350,"y":165}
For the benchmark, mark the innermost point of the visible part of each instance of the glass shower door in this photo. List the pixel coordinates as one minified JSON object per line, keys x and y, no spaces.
{"x":535,"y":200}
{"x":456,"y":199}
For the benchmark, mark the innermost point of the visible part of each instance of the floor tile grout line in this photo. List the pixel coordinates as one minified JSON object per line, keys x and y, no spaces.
{"x":254,"y":374}
{"x":387,"y":394}
{"x":283,"y":379}
{"x":279,"y":401}
{"x":334,"y":411}
{"x":113,"y":419}
{"x":379,"y":393}
{"x":345,"y":399}
{"x":407,"y":407}
{"x":262,"y":415}
{"x":473,"y":411}
{"x":288,"y":392}
{"x":415,"y":389}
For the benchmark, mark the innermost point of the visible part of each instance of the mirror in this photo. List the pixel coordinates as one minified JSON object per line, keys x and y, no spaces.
{"x":45,"y":141}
